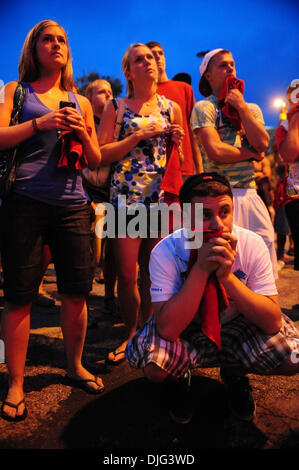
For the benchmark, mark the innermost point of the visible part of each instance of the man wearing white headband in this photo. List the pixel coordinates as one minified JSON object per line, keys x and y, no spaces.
{"x":230,"y":150}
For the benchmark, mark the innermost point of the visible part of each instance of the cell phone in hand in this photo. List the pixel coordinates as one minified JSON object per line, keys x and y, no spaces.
{"x":70,"y":104}
{"x":63,"y":104}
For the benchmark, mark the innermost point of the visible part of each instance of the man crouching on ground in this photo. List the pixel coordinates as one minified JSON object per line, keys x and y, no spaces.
{"x":232,"y":273}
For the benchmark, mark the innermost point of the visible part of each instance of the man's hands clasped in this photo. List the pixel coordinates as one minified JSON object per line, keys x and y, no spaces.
{"x":218,"y":254}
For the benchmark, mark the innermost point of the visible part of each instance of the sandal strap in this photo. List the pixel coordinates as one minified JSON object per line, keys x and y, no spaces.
{"x":89,"y":380}
{"x":12,"y":405}
{"x":94,"y":380}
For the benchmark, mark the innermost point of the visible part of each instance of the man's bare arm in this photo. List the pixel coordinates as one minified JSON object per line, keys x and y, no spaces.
{"x":255,"y":131}
{"x":220,"y":151}
{"x":263,"y":311}
{"x":197,"y":157}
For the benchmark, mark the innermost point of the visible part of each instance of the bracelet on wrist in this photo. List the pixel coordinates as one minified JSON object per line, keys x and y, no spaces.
{"x":35,"y":126}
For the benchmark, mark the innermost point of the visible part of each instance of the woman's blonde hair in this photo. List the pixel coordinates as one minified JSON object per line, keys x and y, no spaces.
{"x":125,"y":63}
{"x":29,"y":69}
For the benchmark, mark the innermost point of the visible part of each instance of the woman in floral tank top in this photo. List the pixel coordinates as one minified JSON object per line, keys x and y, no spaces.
{"x":138,"y":161}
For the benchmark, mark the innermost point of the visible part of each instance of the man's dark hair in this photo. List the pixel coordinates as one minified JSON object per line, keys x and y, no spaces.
{"x":183,"y":77}
{"x":204,"y":185}
{"x":152,"y":44}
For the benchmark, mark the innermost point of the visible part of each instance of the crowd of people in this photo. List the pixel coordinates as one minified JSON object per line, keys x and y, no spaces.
{"x":215,"y":305}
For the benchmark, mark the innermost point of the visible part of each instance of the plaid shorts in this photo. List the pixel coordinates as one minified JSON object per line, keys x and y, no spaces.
{"x":242,"y":345}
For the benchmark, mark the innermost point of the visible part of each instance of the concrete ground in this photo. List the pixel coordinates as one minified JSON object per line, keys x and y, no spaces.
{"x":131,"y":414}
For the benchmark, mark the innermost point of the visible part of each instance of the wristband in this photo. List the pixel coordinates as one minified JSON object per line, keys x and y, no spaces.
{"x":35,"y":126}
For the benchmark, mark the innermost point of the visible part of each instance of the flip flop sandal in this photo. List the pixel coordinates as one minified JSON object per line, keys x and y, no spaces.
{"x":83,"y":385}
{"x":119,"y":361}
{"x":16,"y":418}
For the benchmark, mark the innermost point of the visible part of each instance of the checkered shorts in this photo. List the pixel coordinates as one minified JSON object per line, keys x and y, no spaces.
{"x":242,"y":345}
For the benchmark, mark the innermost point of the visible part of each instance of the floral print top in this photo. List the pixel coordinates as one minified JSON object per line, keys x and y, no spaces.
{"x":137,"y":176}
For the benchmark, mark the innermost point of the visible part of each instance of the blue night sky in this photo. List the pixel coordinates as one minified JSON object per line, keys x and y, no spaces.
{"x":262,"y":35}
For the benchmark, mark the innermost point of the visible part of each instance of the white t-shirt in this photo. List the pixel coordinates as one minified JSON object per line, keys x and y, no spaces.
{"x":252,"y":266}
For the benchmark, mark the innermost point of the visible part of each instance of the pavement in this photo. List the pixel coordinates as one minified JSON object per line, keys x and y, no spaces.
{"x":130,"y":415}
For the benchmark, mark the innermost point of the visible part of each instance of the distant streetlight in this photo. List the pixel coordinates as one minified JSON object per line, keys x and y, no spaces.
{"x":281,"y":104}
{"x":278,"y":103}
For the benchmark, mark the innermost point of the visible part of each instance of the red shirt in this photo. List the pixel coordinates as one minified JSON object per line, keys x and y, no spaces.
{"x":182,"y":94}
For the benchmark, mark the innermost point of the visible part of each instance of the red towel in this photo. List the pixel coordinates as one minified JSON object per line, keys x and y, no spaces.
{"x":229,"y":111}
{"x":172,"y":179}
{"x":170,"y":198}
{"x":214,"y":299}
{"x":72,"y":155}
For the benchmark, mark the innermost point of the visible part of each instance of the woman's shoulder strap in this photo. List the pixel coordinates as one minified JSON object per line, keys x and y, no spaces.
{"x":166,"y":105}
{"x":18,"y":101}
{"x":19,"y":93}
{"x":119,"y":106}
{"x":114,"y":102}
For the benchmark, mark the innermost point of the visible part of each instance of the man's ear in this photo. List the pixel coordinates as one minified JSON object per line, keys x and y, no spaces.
{"x":207,"y":76}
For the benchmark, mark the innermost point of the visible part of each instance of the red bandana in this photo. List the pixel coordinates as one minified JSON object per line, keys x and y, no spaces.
{"x":72,"y":155}
{"x":172,"y":179}
{"x":214,"y":299}
{"x":231,"y":113}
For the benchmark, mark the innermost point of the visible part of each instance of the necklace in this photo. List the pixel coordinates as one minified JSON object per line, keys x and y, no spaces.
{"x":149,"y":103}
{"x":52,"y":92}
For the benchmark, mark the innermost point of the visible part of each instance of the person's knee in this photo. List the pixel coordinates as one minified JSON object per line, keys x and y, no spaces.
{"x":127,"y":279}
{"x":288,"y":367}
{"x":154,"y":373}
{"x":291,"y":365}
{"x":75,"y":302}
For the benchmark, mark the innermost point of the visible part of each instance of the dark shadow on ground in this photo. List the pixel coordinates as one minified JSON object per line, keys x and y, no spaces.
{"x":291,"y":441}
{"x":134,"y":416}
{"x":32,"y":383}
{"x":45,"y":351}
